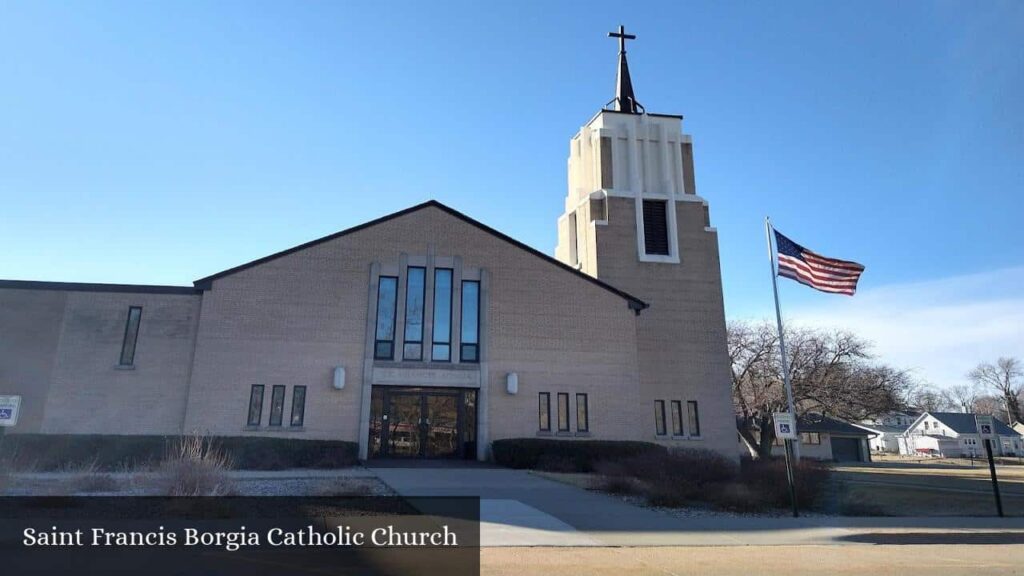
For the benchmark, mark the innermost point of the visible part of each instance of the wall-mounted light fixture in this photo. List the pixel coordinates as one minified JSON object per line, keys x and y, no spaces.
{"x":339,"y":377}
{"x":512,"y":383}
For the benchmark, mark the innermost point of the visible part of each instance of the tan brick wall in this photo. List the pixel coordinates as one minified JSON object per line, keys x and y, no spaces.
{"x":291,"y":320}
{"x":61,"y":350}
{"x":89,"y":394}
{"x":681,"y":337}
{"x":30,"y":322}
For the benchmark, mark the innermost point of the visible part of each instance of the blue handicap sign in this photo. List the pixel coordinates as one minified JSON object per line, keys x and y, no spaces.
{"x":6,"y":413}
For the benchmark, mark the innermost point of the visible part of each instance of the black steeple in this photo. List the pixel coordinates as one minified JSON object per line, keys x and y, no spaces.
{"x":625,"y":100}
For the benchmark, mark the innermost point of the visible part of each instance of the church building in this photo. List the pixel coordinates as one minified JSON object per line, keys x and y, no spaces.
{"x":422,"y":334}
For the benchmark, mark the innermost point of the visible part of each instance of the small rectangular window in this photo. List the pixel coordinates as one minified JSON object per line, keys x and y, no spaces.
{"x":470,"y":346}
{"x":810,"y":438}
{"x":677,"y":418}
{"x":563,"y":412}
{"x":276,"y":405}
{"x":442,"y":347}
{"x":694,"y":418}
{"x":387,"y":299}
{"x":655,"y":227}
{"x":415,"y":296}
{"x":582,"y":413}
{"x":544,"y":401}
{"x":659,"y":417}
{"x":131,"y":336}
{"x":255,"y":405}
{"x":298,"y":406}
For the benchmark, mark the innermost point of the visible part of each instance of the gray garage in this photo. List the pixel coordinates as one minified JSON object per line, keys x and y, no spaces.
{"x":845,"y":449}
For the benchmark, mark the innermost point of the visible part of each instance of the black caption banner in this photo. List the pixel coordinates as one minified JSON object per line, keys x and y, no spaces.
{"x":229,"y":536}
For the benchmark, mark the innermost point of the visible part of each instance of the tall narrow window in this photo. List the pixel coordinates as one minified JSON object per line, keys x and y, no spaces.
{"x":276,"y":405}
{"x":387,"y":298}
{"x":659,"y":417}
{"x":694,"y":418}
{"x":677,"y":418}
{"x":441,"y":350}
{"x":582,"y":413}
{"x":563,"y":412}
{"x":544,"y":401}
{"x":574,"y":253}
{"x":131,"y":336}
{"x":255,"y":405}
{"x":298,"y":406}
{"x":470,"y":347}
{"x":415,"y":295}
{"x":655,"y":227}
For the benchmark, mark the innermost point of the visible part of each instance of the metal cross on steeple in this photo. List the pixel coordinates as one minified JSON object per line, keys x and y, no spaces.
{"x":622,"y":36}
{"x":625,"y":100}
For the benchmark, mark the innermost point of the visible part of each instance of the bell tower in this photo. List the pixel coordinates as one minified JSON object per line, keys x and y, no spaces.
{"x":633,"y":219}
{"x":625,"y":153}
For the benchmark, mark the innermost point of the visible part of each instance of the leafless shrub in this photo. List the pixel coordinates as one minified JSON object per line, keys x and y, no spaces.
{"x":194,"y":466}
{"x":84,"y":478}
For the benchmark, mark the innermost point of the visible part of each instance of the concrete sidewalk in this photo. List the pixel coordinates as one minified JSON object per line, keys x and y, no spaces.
{"x":288,"y":474}
{"x":521,"y":509}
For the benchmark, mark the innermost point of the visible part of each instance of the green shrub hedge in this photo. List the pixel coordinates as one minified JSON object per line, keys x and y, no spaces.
{"x":565,"y":455}
{"x":48,"y":452}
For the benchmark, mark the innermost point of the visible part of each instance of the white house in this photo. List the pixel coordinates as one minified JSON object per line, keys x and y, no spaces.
{"x":887,"y":430}
{"x":954,"y":434}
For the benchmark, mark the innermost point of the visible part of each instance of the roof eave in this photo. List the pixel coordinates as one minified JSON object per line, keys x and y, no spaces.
{"x":635,"y":304}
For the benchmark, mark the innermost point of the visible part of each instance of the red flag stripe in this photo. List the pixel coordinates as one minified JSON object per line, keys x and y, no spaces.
{"x":816,"y":273}
{"x":832,"y":262}
{"x":791,"y":275}
{"x":818,"y":283}
{"x":788,"y":273}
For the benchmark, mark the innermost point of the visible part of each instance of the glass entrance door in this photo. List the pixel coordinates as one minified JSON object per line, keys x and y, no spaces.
{"x":405,"y":425}
{"x":423,"y":423}
{"x":442,"y":425}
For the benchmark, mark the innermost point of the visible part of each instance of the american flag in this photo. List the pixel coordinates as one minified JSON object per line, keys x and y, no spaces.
{"x":814,"y":270}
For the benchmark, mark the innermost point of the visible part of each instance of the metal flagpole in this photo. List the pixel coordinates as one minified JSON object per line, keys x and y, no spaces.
{"x":785,"y":364}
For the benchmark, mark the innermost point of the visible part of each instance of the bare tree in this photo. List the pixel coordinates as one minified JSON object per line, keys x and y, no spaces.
{"x":989,"y":405}
{"x":924,"y":398}
{"x":963,"y":396}
{"x":1004,"y":378}
{"x":831,"y":374}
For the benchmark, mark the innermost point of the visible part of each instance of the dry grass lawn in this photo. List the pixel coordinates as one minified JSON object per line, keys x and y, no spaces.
{"x":927,"y":488}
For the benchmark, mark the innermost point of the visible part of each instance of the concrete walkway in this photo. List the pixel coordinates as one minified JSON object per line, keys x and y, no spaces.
{"x":521,"y":509}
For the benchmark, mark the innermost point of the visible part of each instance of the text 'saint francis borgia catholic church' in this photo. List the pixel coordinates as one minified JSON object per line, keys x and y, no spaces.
{"x":420,"y":334}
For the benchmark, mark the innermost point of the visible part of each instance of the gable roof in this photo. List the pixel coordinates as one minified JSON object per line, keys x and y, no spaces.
{"x":965,"y":424}
{"x":819,"y":423}
{"x":634,"y":303}
{"x":881,"y":428}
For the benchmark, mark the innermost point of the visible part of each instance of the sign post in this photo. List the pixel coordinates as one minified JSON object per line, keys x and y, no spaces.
{"x":790,"y":406}
{"x":987,"y":430}
{"x":9,"y":407}
{"x":785,"y":428}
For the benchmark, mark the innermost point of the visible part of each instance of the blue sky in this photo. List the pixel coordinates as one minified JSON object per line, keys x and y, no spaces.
{"x":159,"y":143}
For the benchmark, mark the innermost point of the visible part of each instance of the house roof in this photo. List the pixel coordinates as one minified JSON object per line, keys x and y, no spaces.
{"x":92,"y":287}
{"x":965,"y":424}
{"x":634,"y":303}
{"x":819,"y":423}
{"x":882,"y":428}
